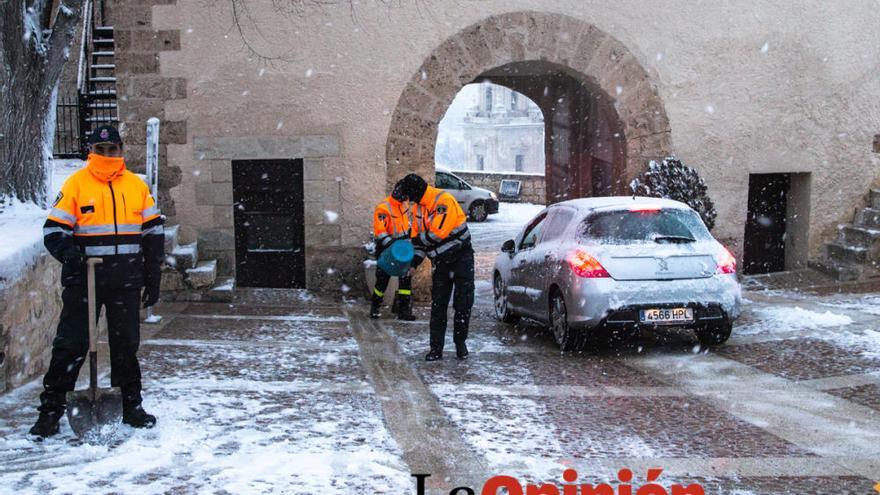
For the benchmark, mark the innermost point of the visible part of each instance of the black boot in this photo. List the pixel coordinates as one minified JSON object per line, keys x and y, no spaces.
{"x":376,"y":306}
{"x":46,"y":425}
{"x":405,"y":312}
{"x":136,"y":417}
{"x":434,"y":355}
{"x":461,"y":351}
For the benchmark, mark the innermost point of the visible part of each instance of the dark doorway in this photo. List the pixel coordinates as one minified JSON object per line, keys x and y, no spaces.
{"x":585,"y":146}
{"x":269,"y":234}
{"x":764,"y":246}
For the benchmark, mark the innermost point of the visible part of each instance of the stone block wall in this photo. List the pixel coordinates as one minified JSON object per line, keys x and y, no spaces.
{"x":29,"y":310}
{"x":329,"y":265}
{"x":532,"y":191}
{"x":143,"y":91}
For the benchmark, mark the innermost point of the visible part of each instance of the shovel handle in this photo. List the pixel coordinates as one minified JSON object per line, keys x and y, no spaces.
{"x":93,"y":323}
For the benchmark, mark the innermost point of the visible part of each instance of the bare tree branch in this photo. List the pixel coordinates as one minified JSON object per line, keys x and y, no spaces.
{"x":298,"y":8}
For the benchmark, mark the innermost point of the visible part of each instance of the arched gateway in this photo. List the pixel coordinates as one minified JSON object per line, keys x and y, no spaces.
{"x":603,"y":116}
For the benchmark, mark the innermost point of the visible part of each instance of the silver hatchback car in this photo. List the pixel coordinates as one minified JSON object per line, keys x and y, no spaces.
{"x":609,"y":266}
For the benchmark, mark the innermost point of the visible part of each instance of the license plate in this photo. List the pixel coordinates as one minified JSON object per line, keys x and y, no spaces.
{"x":667,"y":315}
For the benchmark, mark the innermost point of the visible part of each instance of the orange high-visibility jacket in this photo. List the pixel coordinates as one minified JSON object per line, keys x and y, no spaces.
{"x":445,"y":228}
{"x":391,"y":222}
{"x":105,"y":211}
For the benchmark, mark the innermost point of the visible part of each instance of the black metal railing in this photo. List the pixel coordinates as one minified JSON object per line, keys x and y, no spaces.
{"x":67,"y":125}
{"x":95,"y":94}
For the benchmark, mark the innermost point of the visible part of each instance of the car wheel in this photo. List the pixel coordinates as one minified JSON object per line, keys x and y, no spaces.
{"x":502,"y":310}
{"x":713,"y":335}
{"x":569,"y":339}
{"x":478,"y":212}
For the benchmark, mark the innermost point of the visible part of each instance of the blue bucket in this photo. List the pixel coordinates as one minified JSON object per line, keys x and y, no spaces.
{"x":396,"y":260}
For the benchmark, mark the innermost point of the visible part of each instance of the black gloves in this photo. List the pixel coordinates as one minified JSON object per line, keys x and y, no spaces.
{"x":151,"y":294}
{"x":73,"y":256}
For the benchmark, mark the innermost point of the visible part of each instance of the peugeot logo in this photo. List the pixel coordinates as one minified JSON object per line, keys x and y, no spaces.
{"x":664,"y":266}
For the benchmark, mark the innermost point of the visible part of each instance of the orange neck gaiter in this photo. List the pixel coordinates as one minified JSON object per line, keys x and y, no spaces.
{"x":105,"y":168}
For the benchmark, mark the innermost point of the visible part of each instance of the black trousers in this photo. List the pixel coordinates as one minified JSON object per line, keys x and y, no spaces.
{"x":404,"y":284}
{"x":71,"y":345}
{"x":452,"y":277}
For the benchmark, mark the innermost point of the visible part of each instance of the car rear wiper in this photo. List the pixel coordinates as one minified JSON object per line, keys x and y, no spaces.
{"x":674,"y":238}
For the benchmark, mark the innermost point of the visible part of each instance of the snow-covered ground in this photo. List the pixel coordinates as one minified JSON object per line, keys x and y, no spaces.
{"x":246,"y":404}
{"x":504,"y":225}
{"x":22,"y":225}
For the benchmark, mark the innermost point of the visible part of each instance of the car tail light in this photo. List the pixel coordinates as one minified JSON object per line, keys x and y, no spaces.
{"x":585,"y":265}
{"x":726,"y":262}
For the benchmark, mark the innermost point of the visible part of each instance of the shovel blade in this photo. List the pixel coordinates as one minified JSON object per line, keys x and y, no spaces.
{"x":86,"y":414}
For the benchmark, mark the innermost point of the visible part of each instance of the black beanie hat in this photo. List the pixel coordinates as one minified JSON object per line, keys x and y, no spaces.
{"x":412,"y":188}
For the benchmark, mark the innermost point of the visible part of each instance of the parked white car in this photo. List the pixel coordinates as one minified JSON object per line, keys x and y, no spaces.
{"x":605,"y":267}
{"x":479,"y":203}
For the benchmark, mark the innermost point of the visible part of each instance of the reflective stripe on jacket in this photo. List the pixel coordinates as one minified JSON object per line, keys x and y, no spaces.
{"x":106,"y":211}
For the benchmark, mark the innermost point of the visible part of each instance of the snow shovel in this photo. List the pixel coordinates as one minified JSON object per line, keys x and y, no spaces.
{"x":88,"y":410}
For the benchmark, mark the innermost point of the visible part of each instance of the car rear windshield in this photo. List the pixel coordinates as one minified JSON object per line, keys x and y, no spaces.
{"x":649,"y":225}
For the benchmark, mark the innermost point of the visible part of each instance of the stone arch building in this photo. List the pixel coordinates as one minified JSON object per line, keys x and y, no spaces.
{"x":349,"y":100}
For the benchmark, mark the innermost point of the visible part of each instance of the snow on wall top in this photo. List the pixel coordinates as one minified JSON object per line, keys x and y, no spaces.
{"x":22,"y":225}
{"x":621,"y":202}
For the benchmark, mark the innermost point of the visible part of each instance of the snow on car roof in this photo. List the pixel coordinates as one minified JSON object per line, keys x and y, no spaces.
{"x":614,"y":202}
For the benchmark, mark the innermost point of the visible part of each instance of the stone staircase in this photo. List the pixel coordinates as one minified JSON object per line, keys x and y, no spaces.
{"x":855,"y":255}
{"x":187,"y":278}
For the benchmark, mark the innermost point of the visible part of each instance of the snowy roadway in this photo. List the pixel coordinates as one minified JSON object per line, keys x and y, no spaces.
{"x":282,"y":392}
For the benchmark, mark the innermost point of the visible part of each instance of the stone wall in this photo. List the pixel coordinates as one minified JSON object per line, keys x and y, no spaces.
{"x":712,"y":100}
{"x":143,"y":92}
{"x":532,"y":191}
{"x":329,"y":264}
{"x":29,"y":310}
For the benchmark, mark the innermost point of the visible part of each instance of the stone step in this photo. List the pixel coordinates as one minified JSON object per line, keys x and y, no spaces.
{"x":103,"y":93}
{"x":839,"y":271}
{"x":875,"y":199}
{"x":846,"y":254}
{"x":171,"y":234}
{"x":223,"y":290}
{"x":850,"y":235}
{"x":172,"y":280}
{"x":203,"y":275}
{"x":186,"y":256}
{"x":868,"y":217}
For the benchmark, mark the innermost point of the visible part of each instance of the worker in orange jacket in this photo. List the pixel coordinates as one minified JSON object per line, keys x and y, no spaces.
{"x":392,"y":221}
{"x":102,"y":211}
{"x":446,"y":241}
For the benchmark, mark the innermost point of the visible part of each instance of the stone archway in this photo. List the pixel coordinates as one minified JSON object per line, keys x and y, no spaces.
{"x":545,"y":44}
